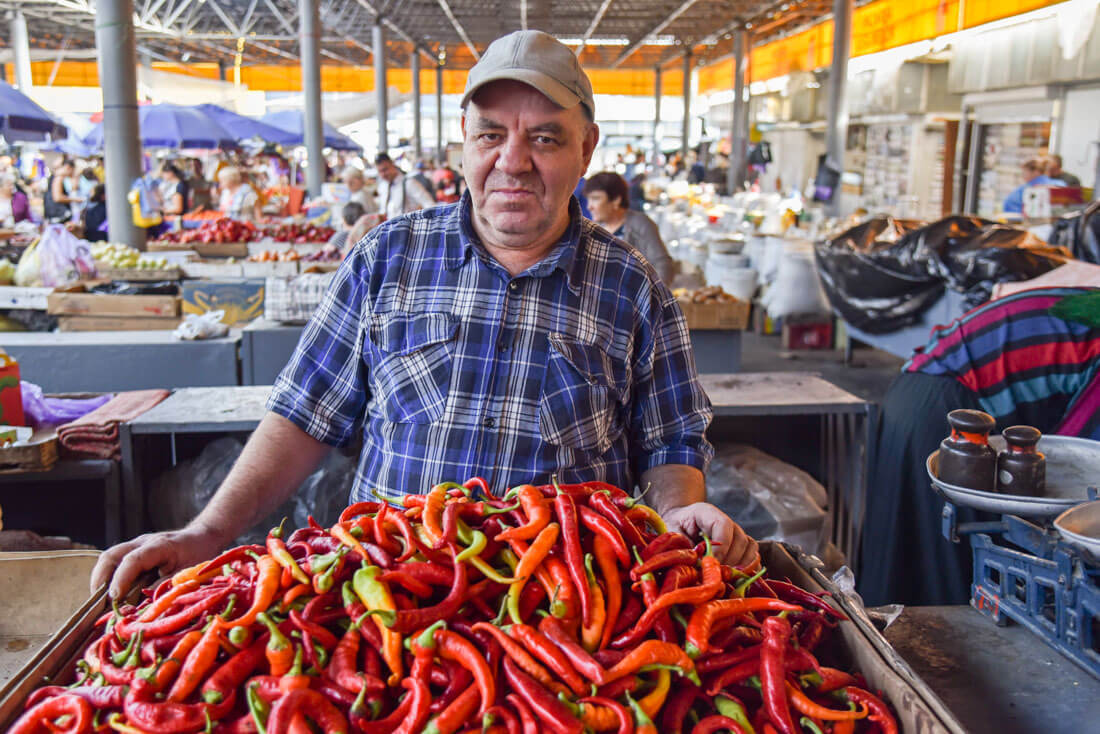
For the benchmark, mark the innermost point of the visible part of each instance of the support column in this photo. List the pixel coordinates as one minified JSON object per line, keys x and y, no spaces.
{"x":415,"y":64}
{"x":222,"y":71}
{"x":656,"y":118}
{"x":836,"y":116}
{"x":378,"y":44}
{"x":21,"y":51}
{"x":116,"y":52}
{"x":309,"y":34}
{"x":440,"y":154}
{"x":686,"y":130}
{"x":739,"y":115}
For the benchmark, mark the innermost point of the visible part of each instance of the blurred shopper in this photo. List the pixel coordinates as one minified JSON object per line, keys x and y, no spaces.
{"x":236,"y":198}
{"x":95,"y":215}
{"x":446,"y":184}
{"x":356,"y":181}
{"x":1031,"y":358}
{"x":398,"y":193}
{"x":58,"y":199}
{"x":424,"y":178}
{"x":608,"y":200}
{"x":176,"y":191}
{"x":14,"y":205}
{"x":1033,"y":176}
{"x":637,"y":192}
{"x":1054,"y":170}
{"x":202,"y":192}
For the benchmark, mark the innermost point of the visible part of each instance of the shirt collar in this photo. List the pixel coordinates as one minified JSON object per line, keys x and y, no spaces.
{"x":562,"y":257}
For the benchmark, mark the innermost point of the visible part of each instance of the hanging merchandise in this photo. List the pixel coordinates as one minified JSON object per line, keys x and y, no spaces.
{"x":143,"y":203}
{"x":883,"y":274}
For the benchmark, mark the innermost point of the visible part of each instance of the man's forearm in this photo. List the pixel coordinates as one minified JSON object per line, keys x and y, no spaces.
{"x":674,"y":485}
{"x":276,"y":460}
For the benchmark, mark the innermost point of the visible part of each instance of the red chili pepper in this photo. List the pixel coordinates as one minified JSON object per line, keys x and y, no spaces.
{"x":773,"y":674}
{"x":711,"y":585}
{"x":613,"y":586}
{"x":458,"y":679}
{"x":173,"y":622}
{"x":517,"y":653}
{"x":278,"y":550}
{"x":451,"y":718}
{"x":434,"y":506}
{"x":546,"y":651}
{"x":356,"y":509}
{"x":409,"y":620}
{"x":388,"y":724}
{"x":833,"y":679}
{"x":654,"y":652}
{"x":716,"y":723}
{"x":880,"y":712}
{"x":574,"y":554}
{"x":100,"y":697}
{"x":526,"y":716}
{"x":734,"y":674}
{"x":310,"y":703}
{"x":665,"y":559}
{"x":549,"y":710}
{"x":418,"y":711}
{"x":677,"y":706}
{"x":630,"y":613}
{"x":144,"y":711}
{"x":453,"y":646}
{"x":704,"y":617}
{"x":40,"y":718}
{"x":792,"y":593}
{"x":727,"y":659}
{"x":580,"y":659}
{"x":622,"y":713}
{"x":604,"y":528}
{"x":316,"y":631}
{"x":226,"y":679}
{"x":665,"y":542}
{"x":807,"y":707}
{"x":505,"y":714}
{"x":603,"y":504}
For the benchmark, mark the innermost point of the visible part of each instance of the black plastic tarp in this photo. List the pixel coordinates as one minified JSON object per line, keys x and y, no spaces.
{"x":880,"y":276}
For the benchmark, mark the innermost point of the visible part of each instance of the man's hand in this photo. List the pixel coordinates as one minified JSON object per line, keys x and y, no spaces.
{"x":170,"y":551}
{"x":733,"y":546}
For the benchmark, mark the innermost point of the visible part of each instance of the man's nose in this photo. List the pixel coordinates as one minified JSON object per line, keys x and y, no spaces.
{"x":515,"y":156}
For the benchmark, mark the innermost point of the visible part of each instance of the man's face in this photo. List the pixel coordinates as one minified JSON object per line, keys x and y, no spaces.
{"x":1055,"y":167}
{"x":522,"y":156}
{"x":388,"y":170}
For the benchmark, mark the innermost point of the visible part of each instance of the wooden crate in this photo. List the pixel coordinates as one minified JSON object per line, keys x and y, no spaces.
{"x":101,"y":304}
{"x":118,"y":323}
{"x":212,"y":269}
{"x":209,"y":249}
{"x":733,"y":315}
{"x":38,"y":454}
{"x":270,"y":268}
{"x":139,"y":274}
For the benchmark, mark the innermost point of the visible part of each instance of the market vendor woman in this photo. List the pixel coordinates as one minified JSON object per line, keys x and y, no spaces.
{"x":502,"y":336}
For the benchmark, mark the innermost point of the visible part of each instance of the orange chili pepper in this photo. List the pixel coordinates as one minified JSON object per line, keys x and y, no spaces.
{"x":807,"y":707}
{"x":613,"y":594}
{"x":537,"y":511}
{"x":171,"y":665}
{"x":161,"y":604}
{"x":529,"y":560}
{"x":198,"y":663}
{"x":592,"y":630}
{"x":269,"y":574}
{"x":295,"y":592}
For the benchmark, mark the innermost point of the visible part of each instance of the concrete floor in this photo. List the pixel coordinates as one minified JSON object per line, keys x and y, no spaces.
{"x":868,"y":376}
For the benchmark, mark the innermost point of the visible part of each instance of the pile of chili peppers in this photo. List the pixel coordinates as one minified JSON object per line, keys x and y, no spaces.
{"x":561,"y":608}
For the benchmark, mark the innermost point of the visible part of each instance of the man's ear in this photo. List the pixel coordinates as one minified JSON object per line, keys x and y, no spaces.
{"x":591,"y":137}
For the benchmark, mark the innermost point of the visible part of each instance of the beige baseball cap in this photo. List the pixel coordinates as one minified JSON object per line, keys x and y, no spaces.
{"x":537,"y":59}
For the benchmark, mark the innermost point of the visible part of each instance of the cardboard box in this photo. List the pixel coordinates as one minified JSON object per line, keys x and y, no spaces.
{"x":13,"y":296}
{"x":733,"y":315}
{"x":808,"y":334}
{"x":118,"y":323}
{"x":100,"y":304}
{"x":242,"y":300}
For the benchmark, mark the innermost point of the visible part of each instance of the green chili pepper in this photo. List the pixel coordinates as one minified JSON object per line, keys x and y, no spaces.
{"x":229,"y":607}
{"x":744,"y":584}
{"x":477,"y":544}
{"x":734,"y":710}
{"x":259,"y":709}
{"x":119,"y":658}
{"x":640,"y":717}
{"x":807,"y":723}
{"x":238,"y":635}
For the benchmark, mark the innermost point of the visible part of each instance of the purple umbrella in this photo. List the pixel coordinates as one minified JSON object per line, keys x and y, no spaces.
{"x":173,"y":126}
{"x":22,"y":119}
{"x":292,"y":122}
{"x":243,"y":127}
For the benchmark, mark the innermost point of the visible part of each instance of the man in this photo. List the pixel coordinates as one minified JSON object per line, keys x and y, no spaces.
{"x":397,"y":193}
{"x":1033,"y":176}
{"x":1054,"y":170}
{"x":608,"y":200}
{"x":503,"y":336}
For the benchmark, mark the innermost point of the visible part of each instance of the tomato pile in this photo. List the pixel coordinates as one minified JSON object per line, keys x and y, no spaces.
{"x":299,"y":233}
{"x":217,"y":231}
{"x":564,"y":608}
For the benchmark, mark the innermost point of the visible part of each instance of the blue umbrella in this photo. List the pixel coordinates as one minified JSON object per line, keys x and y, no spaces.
{"x":292,"y":122}
{"x":244,"y":127}
{"x":173,"y":126}
{"x":21,"y":119}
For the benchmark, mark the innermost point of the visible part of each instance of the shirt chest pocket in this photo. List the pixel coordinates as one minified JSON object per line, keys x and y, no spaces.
{"x":410,"y":364}
{"x":580,"y":404}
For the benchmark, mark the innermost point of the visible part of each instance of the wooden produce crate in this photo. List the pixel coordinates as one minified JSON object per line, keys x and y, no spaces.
{"x":270,"y":268}
{"x":38,"y":454}
{"x":860,"y":644}
{"x":210,"y":249}
{"x":118,"y":323}
{"x":101,"y":304}
{"x":732,"y":315}
{"x":139,"y":274}
{"x":212,"y":269}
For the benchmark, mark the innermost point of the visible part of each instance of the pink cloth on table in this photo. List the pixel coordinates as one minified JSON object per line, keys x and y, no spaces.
{"x":95,"y":435}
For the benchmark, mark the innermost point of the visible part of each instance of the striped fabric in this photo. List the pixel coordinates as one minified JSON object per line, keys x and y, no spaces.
{"x":1024,"y":364}
{"x":451,"y":368}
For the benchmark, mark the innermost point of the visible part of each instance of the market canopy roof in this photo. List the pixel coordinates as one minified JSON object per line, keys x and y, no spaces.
{"x":21,"y":119}
{"x":243,"y":127}
{"x":292,"y":122}
{"x":173,"y":126}
{"x":613,"y":33}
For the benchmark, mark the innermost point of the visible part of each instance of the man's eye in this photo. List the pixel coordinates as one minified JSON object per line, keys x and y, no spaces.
{"x":489,"y":137}
{"x":546,"y":140}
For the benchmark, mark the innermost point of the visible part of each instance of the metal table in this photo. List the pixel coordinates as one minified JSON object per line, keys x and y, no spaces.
{"x":844,"y":422}
{"x":78,"y":470}
{"x":112,"y":361}
{"x":996,"y":680}
{"x":188,"y":410}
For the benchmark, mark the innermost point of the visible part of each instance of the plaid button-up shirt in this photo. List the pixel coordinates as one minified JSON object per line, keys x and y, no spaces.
{"x":452,"y":368}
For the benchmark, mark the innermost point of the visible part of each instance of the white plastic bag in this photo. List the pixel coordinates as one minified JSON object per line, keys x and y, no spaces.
{"x":62,"y":257}
{"x":201,"y":326}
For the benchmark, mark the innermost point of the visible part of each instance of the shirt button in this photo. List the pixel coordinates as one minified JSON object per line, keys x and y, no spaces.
{"x":489,"y":422}
{"x":514,"y":285}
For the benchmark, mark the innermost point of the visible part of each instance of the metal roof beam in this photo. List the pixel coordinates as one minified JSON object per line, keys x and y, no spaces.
{"x":593,"y":25}
{"x":458,"y":27}
{"x":398,"y":30}
{"x":660,"y":26}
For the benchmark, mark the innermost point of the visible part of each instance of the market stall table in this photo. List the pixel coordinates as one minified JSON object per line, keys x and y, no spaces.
{"x":996,"y":680}
{"x":207,"y":410}
{"x":113,"y":361}
{"x":105,"y":471}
